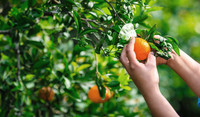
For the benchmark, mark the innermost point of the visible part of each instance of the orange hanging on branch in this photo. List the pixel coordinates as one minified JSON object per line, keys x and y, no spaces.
{"x":95,"y":97}
{"x":46,"y":93}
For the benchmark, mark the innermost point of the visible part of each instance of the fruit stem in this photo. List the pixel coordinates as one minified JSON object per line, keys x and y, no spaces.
{"x":96,"y":64}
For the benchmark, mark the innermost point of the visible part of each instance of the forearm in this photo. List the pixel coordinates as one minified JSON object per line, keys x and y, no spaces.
{"x":158,"y":104}
{"x":188,"y":69}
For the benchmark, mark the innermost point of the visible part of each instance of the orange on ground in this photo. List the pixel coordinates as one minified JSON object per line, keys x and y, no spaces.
{"x":95,"y":97}
{"x":141,"y":48}
{"x":46,"y":93}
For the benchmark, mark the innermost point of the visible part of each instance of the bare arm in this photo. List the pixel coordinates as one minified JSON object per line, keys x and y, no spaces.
{"x":145,"y":77}
{"x":188,"y":69}
{"x":158,"y":104}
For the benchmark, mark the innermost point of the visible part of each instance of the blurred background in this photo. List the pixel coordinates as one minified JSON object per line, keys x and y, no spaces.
{"x":52,"y":59}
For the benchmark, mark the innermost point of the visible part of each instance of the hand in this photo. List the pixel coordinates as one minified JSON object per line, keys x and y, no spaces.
{"x":160,"y":60}
{"x":145,"y":76}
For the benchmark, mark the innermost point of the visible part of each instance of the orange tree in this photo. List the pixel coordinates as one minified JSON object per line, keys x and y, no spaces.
{"x":69,"y":46}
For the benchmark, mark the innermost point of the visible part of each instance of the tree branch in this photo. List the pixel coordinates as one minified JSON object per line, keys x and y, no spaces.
{"x":89,"y":20}
{"x":5,"y":32}
{"x":18,"y":61}
{"x":115,"y":13}
{"x":48,"y":14}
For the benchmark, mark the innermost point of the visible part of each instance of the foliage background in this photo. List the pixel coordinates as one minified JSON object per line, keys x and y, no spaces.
{"x":49,"y":58}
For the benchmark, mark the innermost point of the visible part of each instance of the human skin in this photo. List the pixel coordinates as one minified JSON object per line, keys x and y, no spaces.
{"x":145,"y":76}
{"x":186,"y":67}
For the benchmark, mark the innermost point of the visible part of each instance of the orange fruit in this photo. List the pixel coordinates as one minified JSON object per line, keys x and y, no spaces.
{"x":95,"y":97}
{"x":46,"y":93}
{"x":141,"y":48}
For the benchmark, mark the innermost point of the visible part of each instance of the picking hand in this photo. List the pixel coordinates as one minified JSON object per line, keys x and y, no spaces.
{"x":145,"y":76}
{"x":160,"y":60}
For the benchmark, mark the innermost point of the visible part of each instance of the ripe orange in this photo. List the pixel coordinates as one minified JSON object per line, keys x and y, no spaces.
{"x":141,"y":48}
{"x":46,"y":93}
{"x":95,"y":97}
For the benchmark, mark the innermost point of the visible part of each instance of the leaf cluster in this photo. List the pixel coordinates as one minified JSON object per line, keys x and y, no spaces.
{"x":162,"y":46}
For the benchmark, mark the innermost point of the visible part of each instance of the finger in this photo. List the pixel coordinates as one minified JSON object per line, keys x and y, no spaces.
{"x":124,"y":60}
{"x":173,"y":52}
{"x":156,"y":36}
{"x":159,"y":61}
{"x":151,"y":60}
{"x":130,"y":52}
{"x":123,"y":57}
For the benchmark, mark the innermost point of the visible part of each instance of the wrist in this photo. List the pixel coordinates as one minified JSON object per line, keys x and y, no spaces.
{"x":151,"y":95}
{"x":148,"y":91}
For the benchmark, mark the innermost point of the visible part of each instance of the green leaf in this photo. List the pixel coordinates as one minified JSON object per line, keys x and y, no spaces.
{"x":18,"y":86}
{"x":36,"y":12}
{"x":113,"y":84}
{"x":35,"y":43}
{"x":30,"y":85}
{"x":73,"y":94}
{"x":82,"y":67}
{"x":154,"y":9}
{"x":66,"y":70}
{"x":174,"y":42}
{"x":123,"y":78}
{"x":152,"y":30}
{"x":77,"y":20}
{"x":68,"y":2}
{"x":147,"y":2}
{"x":144,"y":34}
{"x":126,"y":88}
{"x":173,"y":39}
{"x":41,"y":64}
{"x":144,"y":25}
{"x":98,"y":47}
{"x":93,"y":14}
{"x":31,"y":3}
{"x":115,"y":38}
{"x":140,"y":18}
{"x":67,"y":82}
{"x":34,"y":30}
{"x":3,"y":43}
{"x":153,"y":46}
{"x":86,"y":31}
{"x":29,"y":76}
{"x":176,"y":48}
{"x":102,"y":90}
{"x":116,"y":28}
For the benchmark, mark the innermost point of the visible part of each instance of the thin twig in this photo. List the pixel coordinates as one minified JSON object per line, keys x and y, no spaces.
{"x":89,"y":20}
{"x":18,"y":61}
{"x":115,"y":13}
{"x":48,"y":14}
{"x":5,"y":31}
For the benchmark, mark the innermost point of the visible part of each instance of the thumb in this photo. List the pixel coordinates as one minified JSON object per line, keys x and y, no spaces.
{"x":151,"y":60}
